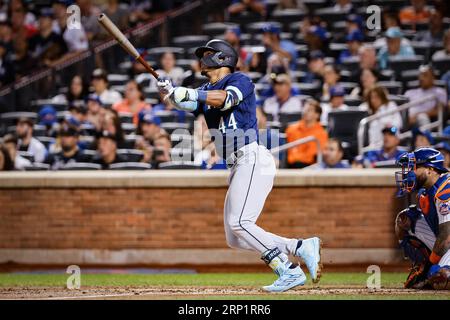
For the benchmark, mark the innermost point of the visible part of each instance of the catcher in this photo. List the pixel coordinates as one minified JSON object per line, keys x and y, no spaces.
{"x":424,"y":230}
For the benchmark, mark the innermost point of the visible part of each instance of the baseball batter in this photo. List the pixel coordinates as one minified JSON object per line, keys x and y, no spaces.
{"x":424,"y":230}
{"x":227,"y":102}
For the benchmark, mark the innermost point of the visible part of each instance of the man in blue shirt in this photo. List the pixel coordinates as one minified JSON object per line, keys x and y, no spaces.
{"x":332,"y":156}
{"x":285,"y":49}
{"x":228,"y":104}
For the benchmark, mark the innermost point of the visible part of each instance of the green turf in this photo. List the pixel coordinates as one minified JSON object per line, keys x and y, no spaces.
{"x":203,"y":279}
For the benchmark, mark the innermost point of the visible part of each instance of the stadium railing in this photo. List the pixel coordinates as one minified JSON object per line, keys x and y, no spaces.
{"x":439,"y":123}
{"x":277,"y":150}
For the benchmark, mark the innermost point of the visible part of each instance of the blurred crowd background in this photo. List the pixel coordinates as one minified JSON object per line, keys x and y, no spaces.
{"x":71,"y":99}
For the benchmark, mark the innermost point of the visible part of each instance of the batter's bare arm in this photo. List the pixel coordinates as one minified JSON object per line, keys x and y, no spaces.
{"x":442,"y":244}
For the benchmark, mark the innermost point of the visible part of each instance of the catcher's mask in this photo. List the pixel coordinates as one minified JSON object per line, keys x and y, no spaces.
{"x":406,"y":178}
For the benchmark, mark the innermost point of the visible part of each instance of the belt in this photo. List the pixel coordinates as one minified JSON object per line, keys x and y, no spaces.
{"x":233,"y":157}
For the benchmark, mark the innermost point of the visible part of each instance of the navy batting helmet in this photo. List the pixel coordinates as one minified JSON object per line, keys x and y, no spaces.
{"x":224,"y":55}
{"x":422,"y":157}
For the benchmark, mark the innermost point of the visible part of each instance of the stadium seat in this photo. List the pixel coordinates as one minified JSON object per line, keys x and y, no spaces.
{"x":167,"y":116}
{"x":337,"y":48}
{"x":217,"y":28}
{"x":170,"y":127}
{"x":289,"y":118}
{"x":39,"y":130}
{"x":46,"y":141}
{"x":415,"y":26}
{"x":132,"y":155}
{"x":81,"y":166}
{"x":288,"y":16}
{"x":117,"y":79}
{"x":126,"y":117}
{"x":90,"y":153}
{"x":128,"y":128}
{"x":61,"y":115}
{"x":155,"y":53}
{"x":421,"y":48}
{"x":399,"y":64}
{"x":130,"y":166}
{"x":151,"y":93}
{"x":348,"y":86}
{"x":330,"y":15}
{"x":191,"y":41}
{"x":38,"y":104}
{"x":310,"y":89}
{"x":441,"y":65}
{"x":393,"y":87}
{"x":313,"y":5}
{"x":37,"y":167}
{"x":26,"y":155}
{"x":179,"y":165}
{"x":391,"y":4}
{"x":351,"y":64}
{"x":244,"y":18}
{"x":352,"y":101}
{"x":344,"y":126}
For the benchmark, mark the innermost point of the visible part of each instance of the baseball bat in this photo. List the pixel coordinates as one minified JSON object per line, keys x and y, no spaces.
{"x":112,"y":29}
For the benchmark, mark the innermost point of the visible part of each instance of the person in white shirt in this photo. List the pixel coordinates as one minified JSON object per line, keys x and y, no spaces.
{"x":24,"y":131}
{"x":168,"y":70}
{"x":444,"y":53}
{"x":283,"y":101}
{"x":378,"y":103}
{"x":423,"y":113}
{"x":337,"y":94}
{"x":100,"y":84}
{"x":10,"y":142}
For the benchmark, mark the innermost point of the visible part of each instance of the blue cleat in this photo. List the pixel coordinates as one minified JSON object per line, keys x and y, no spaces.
{"x":288,"y":280}
{"x":310,"y":252}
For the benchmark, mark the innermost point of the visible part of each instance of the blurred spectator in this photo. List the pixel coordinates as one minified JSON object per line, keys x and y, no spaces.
{"x":6,"y":66}
{"x":421,"y":114}
{"x":416,"y":13}
{"x":161,"y":150}
{"x":232,"y":36}
{"x":284,"y":49}
{"x":15,"y":5}
{"x":378,"y":103}
{"x":95,"y":110}
{"x":78,"y":90}
{"x":354,"y":40}
{"x":27,"y":142}
{"x":336,"y":103}
{"x":79,"y":115}
{"x":23,"y":62}
{"x":239,"y":6}
{"x":89,"y":14}
{"x":445,"y":52}
{"x":354,"y":23}
{"x":433,"y":36}
{"x":6,"y":163}
{"x":149,"y":127}
{"x":333,"y":155}
{"x":169,"y":70}
{"x":330,"y":79}
{"x":394,"y":47}
{"x":389,"y":151}
{"x":140,"y":11}
{"x":134,"y":101}
{"x":444,"y":148}
{"x":316,"y":67}
{"x":10,"y":143}
{"x":70,"y":152}
{"x":194,"y":78}
{"x":110,"y":122}
{"x":315,"y":36}
{"x":74,"y":36}
{"x":367,"y":57}
{"x":207,"y":157}
{"x":20,"y":28}
{"x":367,"y":80}
{"x":117,"y":13}
{"x":47,"y":46}
{"x":48,"y":118}
{"x":305,"y":154}
{"x":6,"y":35}
{"x":100,"y":84}
{"x":107,"y":150}
{"x":421,"y":138}
{"x":283,"y":101}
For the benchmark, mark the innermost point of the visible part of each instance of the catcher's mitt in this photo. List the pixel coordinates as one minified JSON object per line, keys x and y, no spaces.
{"x":417,"y":278}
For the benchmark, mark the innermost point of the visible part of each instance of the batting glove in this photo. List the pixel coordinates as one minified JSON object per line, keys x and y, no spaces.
{"x":165,"y":87}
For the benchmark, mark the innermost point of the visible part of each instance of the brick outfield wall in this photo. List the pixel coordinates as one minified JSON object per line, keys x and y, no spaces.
{"x":178,"y":218}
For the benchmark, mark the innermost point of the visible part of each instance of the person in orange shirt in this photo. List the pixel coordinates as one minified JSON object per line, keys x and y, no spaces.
{"x":306,"y":154}
{"x":416,"y":13}
{"x":134,"y":101}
